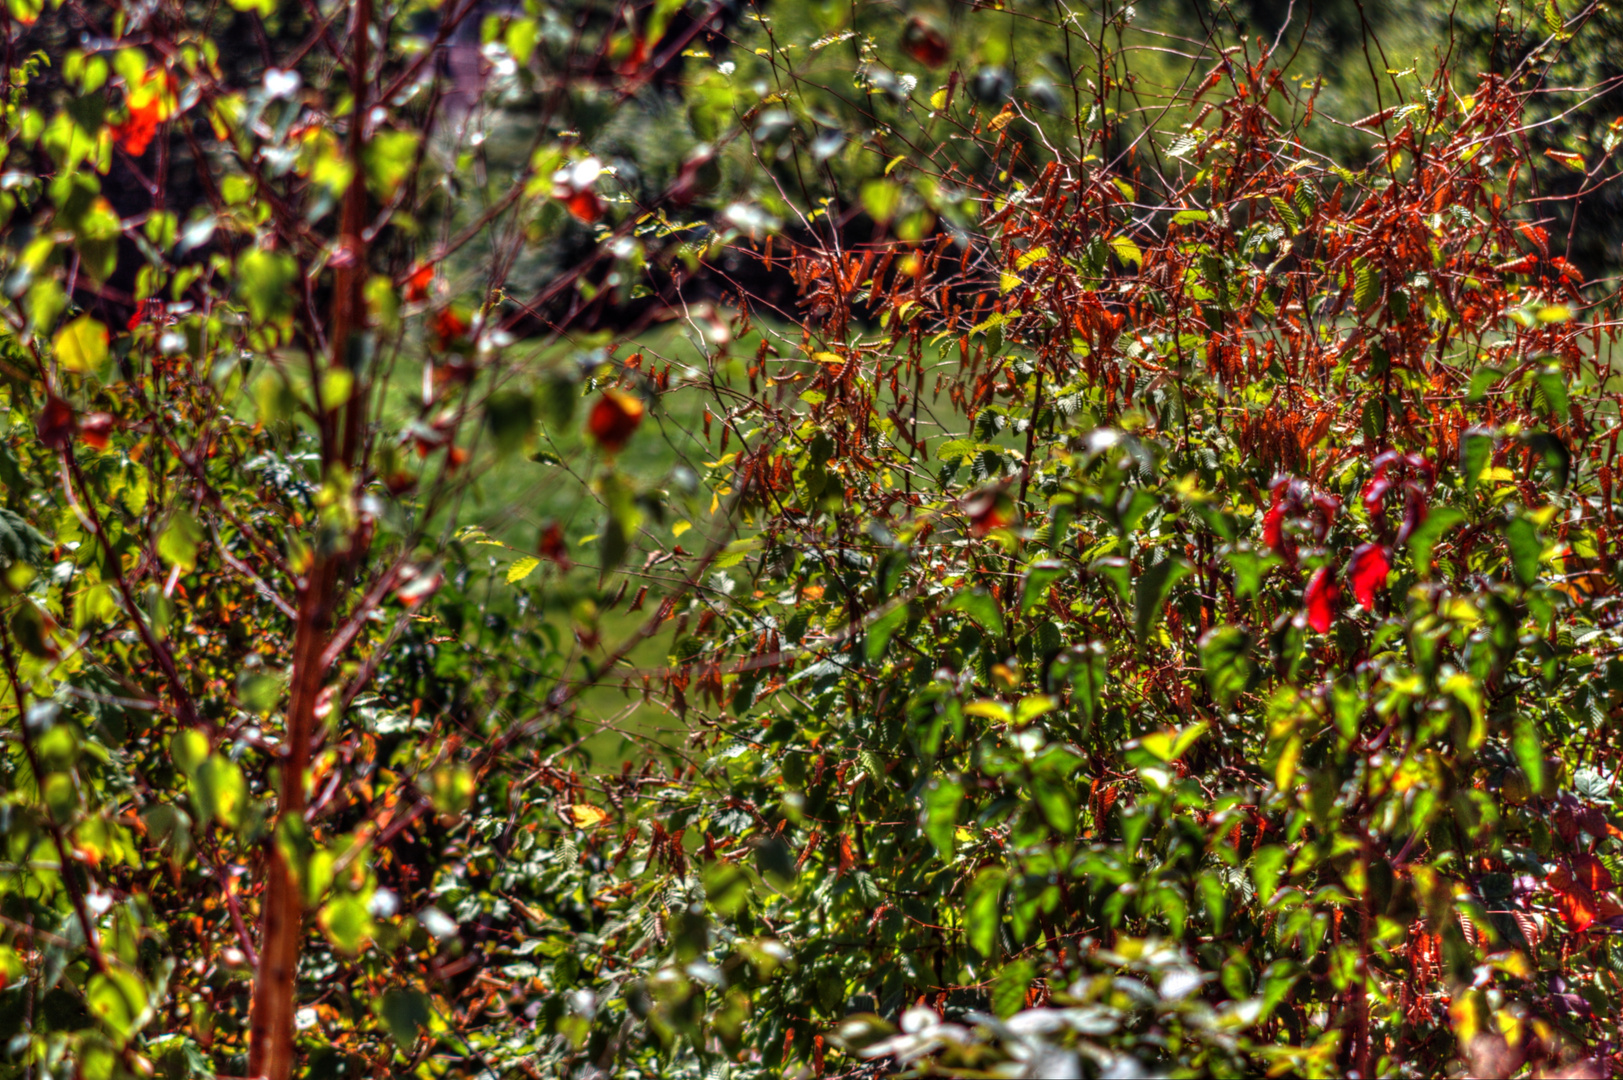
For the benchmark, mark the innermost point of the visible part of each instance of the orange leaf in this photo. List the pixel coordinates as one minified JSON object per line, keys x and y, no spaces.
{"x":847,"y":858}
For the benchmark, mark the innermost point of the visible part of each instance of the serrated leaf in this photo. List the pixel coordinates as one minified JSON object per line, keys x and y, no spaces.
{"x":1127,"y":251}
{"x":521,"y":569}
{"x":1366,"y":283}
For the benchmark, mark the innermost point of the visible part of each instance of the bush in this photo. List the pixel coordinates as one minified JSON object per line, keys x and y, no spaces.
{"x":1120,"y":592}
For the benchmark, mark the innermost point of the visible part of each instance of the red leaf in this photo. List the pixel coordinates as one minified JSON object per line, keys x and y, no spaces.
{"x":1273,"y":529}
{"x":447,"y":326}
{"x":925,"y":43}
{"x":1414,"y":513}
{"x":56,"y":423}
{"x":95,"y":428}
{"x":614,"y":418}
{"x":135,"y":134}
{"x":1325,"y":509}
{"x":1367,"y":572}
{"x":585,"y":206}
{"x":1567,"y":270}
{"x":144,"y":311}
{"x":1374,"y":494}
{"x":1321,"y":596}
{"x":988,"y":510}
{"x":552,"y":545}
{"x":1591,"y":872}
{"x":418,"y":282}
{"x":636,"y":57}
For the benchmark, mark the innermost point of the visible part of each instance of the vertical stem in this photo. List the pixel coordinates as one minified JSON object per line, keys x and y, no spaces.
{"x":271,"y":1049}
{"x":270,"y":1052}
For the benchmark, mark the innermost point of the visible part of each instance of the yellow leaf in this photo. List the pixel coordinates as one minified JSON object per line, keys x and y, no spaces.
{"x":586,"y":816}
{"x":521,"y":569}
{"x":1008,"y":282}
{"x":938,"y":100}
{"x":1001,"y":120}
{"x":81,"y":345}
{"x":1285,"y":767}
{"x":680,"y":527}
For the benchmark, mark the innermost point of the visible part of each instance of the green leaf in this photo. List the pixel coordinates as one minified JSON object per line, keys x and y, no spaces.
{"x":1557,"y":458}
{"x":259,"y":692}
{"x":882,"y":629}
{"x":1225,"y":657}
{"x":389,"y":158}
{"x":1127,"y":251}
{"x":188,"y":749}
{"x":942,"y":798}
{"x":979,"y":605}
{"x":1476,"y":449}
{"x":1439,"y":521}
{"x":1151,"y":593}
{"x":336,"y":385}
{"x":1267,"y":866}
{"x":1552,"y":386}
{"x":522,"y":35}
{"x":405,"y":1013}
{"x":221,"y":790}
{"x":347,"y":921}
{"x":1529,"y":750}
{"x":880,"y":198}
{"x":20,"y":542}
{"x":1482,"y":380}
{"x":1366,"y":283}
{"x":118,"y":999}
{"x":265,"y":281}
{"x":81,"y":345}
{"x":983,"y":910}
{"x":179,"y":542}
{"x":1057,"y":804}
{"x":510,"y":415}
{"x":727,"y":887}
{"x":1009,"y":991}
{"x":1039,"y":578}
{"x":1526,"y":549}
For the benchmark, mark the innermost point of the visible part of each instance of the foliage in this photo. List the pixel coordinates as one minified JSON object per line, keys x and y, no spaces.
{"x":1089,"y":581}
